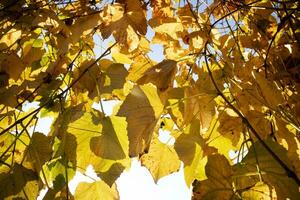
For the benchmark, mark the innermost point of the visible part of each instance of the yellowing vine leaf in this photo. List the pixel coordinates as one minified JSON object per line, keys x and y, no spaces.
{"x":91,"y":79}
{"x":137,"y":69}
{"x":114,"y":78}
{"x":162,"y":8}
{"x":88,"y":139}
{"x":99,"y":139}
{"x":231,"y":127}
{"x":223,"y":143}
{"x":125,"y":21}
{"x":10,"y":38}
{"x":269,"y":91}
{"x":142,"y":108}
{"x":96,"y":190}
{"x":271,"y":172}
{"x":161,"y":160}
{"x":197,"y":40}
{"x":192,"y":150}
{"x":19,"y":183}
{"x":84,"y":26}
{"x":57,"y":172}
{"x":219,"y":182}
{"x":161,"y":75}
{"x":109,"y":144}
{"x":39,"y":151}
{"x":259,"y":191}
{"x":12,"y":65}
{"x":169,"y":28}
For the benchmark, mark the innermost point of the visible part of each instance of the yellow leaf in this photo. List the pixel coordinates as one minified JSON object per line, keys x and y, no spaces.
{"x":12,"y":65}
{"x":115,"y":78}
{"x":19,"y":183}
{"x":86,"y":138}
{"x":222,"y":143}
{"x":96,"y":191}
{"x":142,"y":109}
{"x":161,"y":160}
{"x":121,"y":58}
{"x":161,"y":75}
{"x":10,"y":38}
{"x":197,"y":40}
{"x":192,"y":151}
{"x":139,"y":66}
{"x":260,"y":191}
{"x":84,"y":26}
{"x":125,"y":21}
{"x":90,"y":79}
{"x":260,"y":123}
{"x":34,"y":54}
{"x":270,"y":92}
{"x":231,"y":128}
{"x":169,"y":27}
{"x":162,"y":8}
{"x":47,"y":18}
{"x":219,"y":182}
{"x":39,"y":151}
{"x":271,"y":172}
{"x":105,"y":138}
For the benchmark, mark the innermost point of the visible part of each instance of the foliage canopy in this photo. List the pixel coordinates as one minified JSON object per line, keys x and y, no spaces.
{"x":229,"y":82}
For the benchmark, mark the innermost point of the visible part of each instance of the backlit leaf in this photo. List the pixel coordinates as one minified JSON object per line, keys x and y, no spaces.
{"x":19,"y":183}
{"x":272,"y":173}
{"x":161,"y":160}
{"x":161,"y":75}
{"x":219,"y":182}
{"x":96,"y":190}
{"x":39,"y":151}
{"x":142,"y":108}
{"x":125,"y":21}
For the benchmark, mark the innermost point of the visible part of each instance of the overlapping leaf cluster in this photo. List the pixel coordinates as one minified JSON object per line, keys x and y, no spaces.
{"x":229,"y":82}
